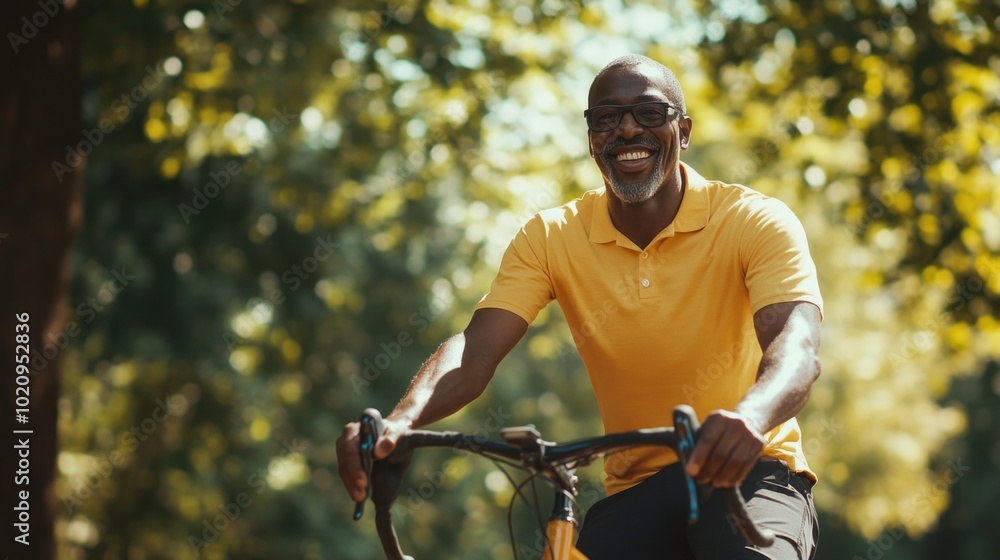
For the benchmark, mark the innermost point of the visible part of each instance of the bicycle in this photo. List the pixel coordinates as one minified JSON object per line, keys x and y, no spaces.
{"x":557,"y":463}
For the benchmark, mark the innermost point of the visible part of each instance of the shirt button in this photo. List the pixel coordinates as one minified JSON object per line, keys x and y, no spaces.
{"x":645,"y":255}
{"x":645,"y":283}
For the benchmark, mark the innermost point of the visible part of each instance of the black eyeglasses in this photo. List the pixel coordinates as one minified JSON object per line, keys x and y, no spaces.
{"x":603,"y":118}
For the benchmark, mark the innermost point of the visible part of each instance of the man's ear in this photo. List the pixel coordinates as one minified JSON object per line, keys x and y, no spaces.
{"x":590,"y":143}
{"x":685,"y":125}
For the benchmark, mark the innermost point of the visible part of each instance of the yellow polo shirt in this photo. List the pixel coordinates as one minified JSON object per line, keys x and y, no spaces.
{"x":670,"y":323}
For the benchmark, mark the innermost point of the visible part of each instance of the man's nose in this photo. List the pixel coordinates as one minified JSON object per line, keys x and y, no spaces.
{"x":628,"y":127}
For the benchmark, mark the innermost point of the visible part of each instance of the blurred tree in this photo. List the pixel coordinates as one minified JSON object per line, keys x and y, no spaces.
{"x":965,"y":530}
{"x":40,"y":204}
{"x":889,"y":113}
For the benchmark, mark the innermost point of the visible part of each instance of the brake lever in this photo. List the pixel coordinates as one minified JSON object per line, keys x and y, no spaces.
{"x":686,"y":426}
{"x":371,"y":429}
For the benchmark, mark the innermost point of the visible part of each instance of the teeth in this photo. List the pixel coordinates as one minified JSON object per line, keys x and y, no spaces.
{"x":633,"y":155}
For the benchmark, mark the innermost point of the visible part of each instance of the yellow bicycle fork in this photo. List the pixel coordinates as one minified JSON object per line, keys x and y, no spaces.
{"x":560,"y":533}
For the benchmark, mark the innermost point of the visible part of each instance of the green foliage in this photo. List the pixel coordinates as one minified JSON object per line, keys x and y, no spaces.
{"x":884,"y":113}
{"x":312,"y":196}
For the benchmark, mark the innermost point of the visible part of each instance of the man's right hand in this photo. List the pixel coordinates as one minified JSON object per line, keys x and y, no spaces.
{"x":349,"y":456}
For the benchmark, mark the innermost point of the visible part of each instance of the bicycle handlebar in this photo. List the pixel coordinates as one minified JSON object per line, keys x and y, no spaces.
{"x":385,"y":475}
{"x":554,"y":454}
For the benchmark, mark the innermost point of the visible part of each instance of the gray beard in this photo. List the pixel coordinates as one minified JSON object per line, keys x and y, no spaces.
{"x":633,"y":193}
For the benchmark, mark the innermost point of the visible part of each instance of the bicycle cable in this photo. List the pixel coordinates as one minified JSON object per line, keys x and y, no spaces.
{"x":538,"y":515}
{"x":517,"y":492}
{"x":510,"y":513}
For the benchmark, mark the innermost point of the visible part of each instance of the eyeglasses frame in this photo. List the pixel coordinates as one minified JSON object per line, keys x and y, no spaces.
{"x":628,"y":108}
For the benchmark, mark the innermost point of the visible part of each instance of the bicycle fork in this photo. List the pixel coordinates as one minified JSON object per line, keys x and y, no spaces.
{"x":561,"y":531}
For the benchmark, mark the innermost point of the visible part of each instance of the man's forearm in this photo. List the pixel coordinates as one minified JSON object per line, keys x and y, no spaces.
{"x":788,"y":368}
{"x":450,"y":379}
{"x":730,"y":442}
{"x":782,"y":389}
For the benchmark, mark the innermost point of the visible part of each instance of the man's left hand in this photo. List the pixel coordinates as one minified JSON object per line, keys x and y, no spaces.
{"x":728,"y":447}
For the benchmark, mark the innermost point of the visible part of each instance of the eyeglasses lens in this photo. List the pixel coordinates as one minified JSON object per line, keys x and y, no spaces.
{"x":603,"y":119}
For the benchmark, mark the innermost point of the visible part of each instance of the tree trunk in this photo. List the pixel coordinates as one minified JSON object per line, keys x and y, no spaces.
{"x":40,"y":210}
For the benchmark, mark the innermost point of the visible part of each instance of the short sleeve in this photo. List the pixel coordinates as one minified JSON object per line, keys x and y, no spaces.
{"x":523,"y":284}
{"x":775,"y":255}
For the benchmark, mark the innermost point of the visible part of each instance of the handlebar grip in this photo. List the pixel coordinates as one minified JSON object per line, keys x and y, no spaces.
{"x":686,"y":424}
{"x":387,"y":534}
{"x":383,"y":483}
{"x":371,"y":430}
{"x":740,"y":517}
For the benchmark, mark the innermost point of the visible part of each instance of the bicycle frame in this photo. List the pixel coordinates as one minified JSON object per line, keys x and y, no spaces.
{"x":560,"y":530}
{"x":557,"y":463}
{"x":559,"y":544}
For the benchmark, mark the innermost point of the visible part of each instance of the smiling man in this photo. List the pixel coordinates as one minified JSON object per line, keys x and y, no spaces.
{"x":679,"y":290}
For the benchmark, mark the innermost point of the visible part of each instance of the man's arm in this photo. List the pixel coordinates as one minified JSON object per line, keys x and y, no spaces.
{"x":730,"y":442}
{"x":454,"y":376}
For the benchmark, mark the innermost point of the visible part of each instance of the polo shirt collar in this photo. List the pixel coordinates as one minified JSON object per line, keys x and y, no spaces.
{"x":691,"y":216}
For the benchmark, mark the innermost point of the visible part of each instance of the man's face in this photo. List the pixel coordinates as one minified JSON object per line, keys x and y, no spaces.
{"x":635,"y":160}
